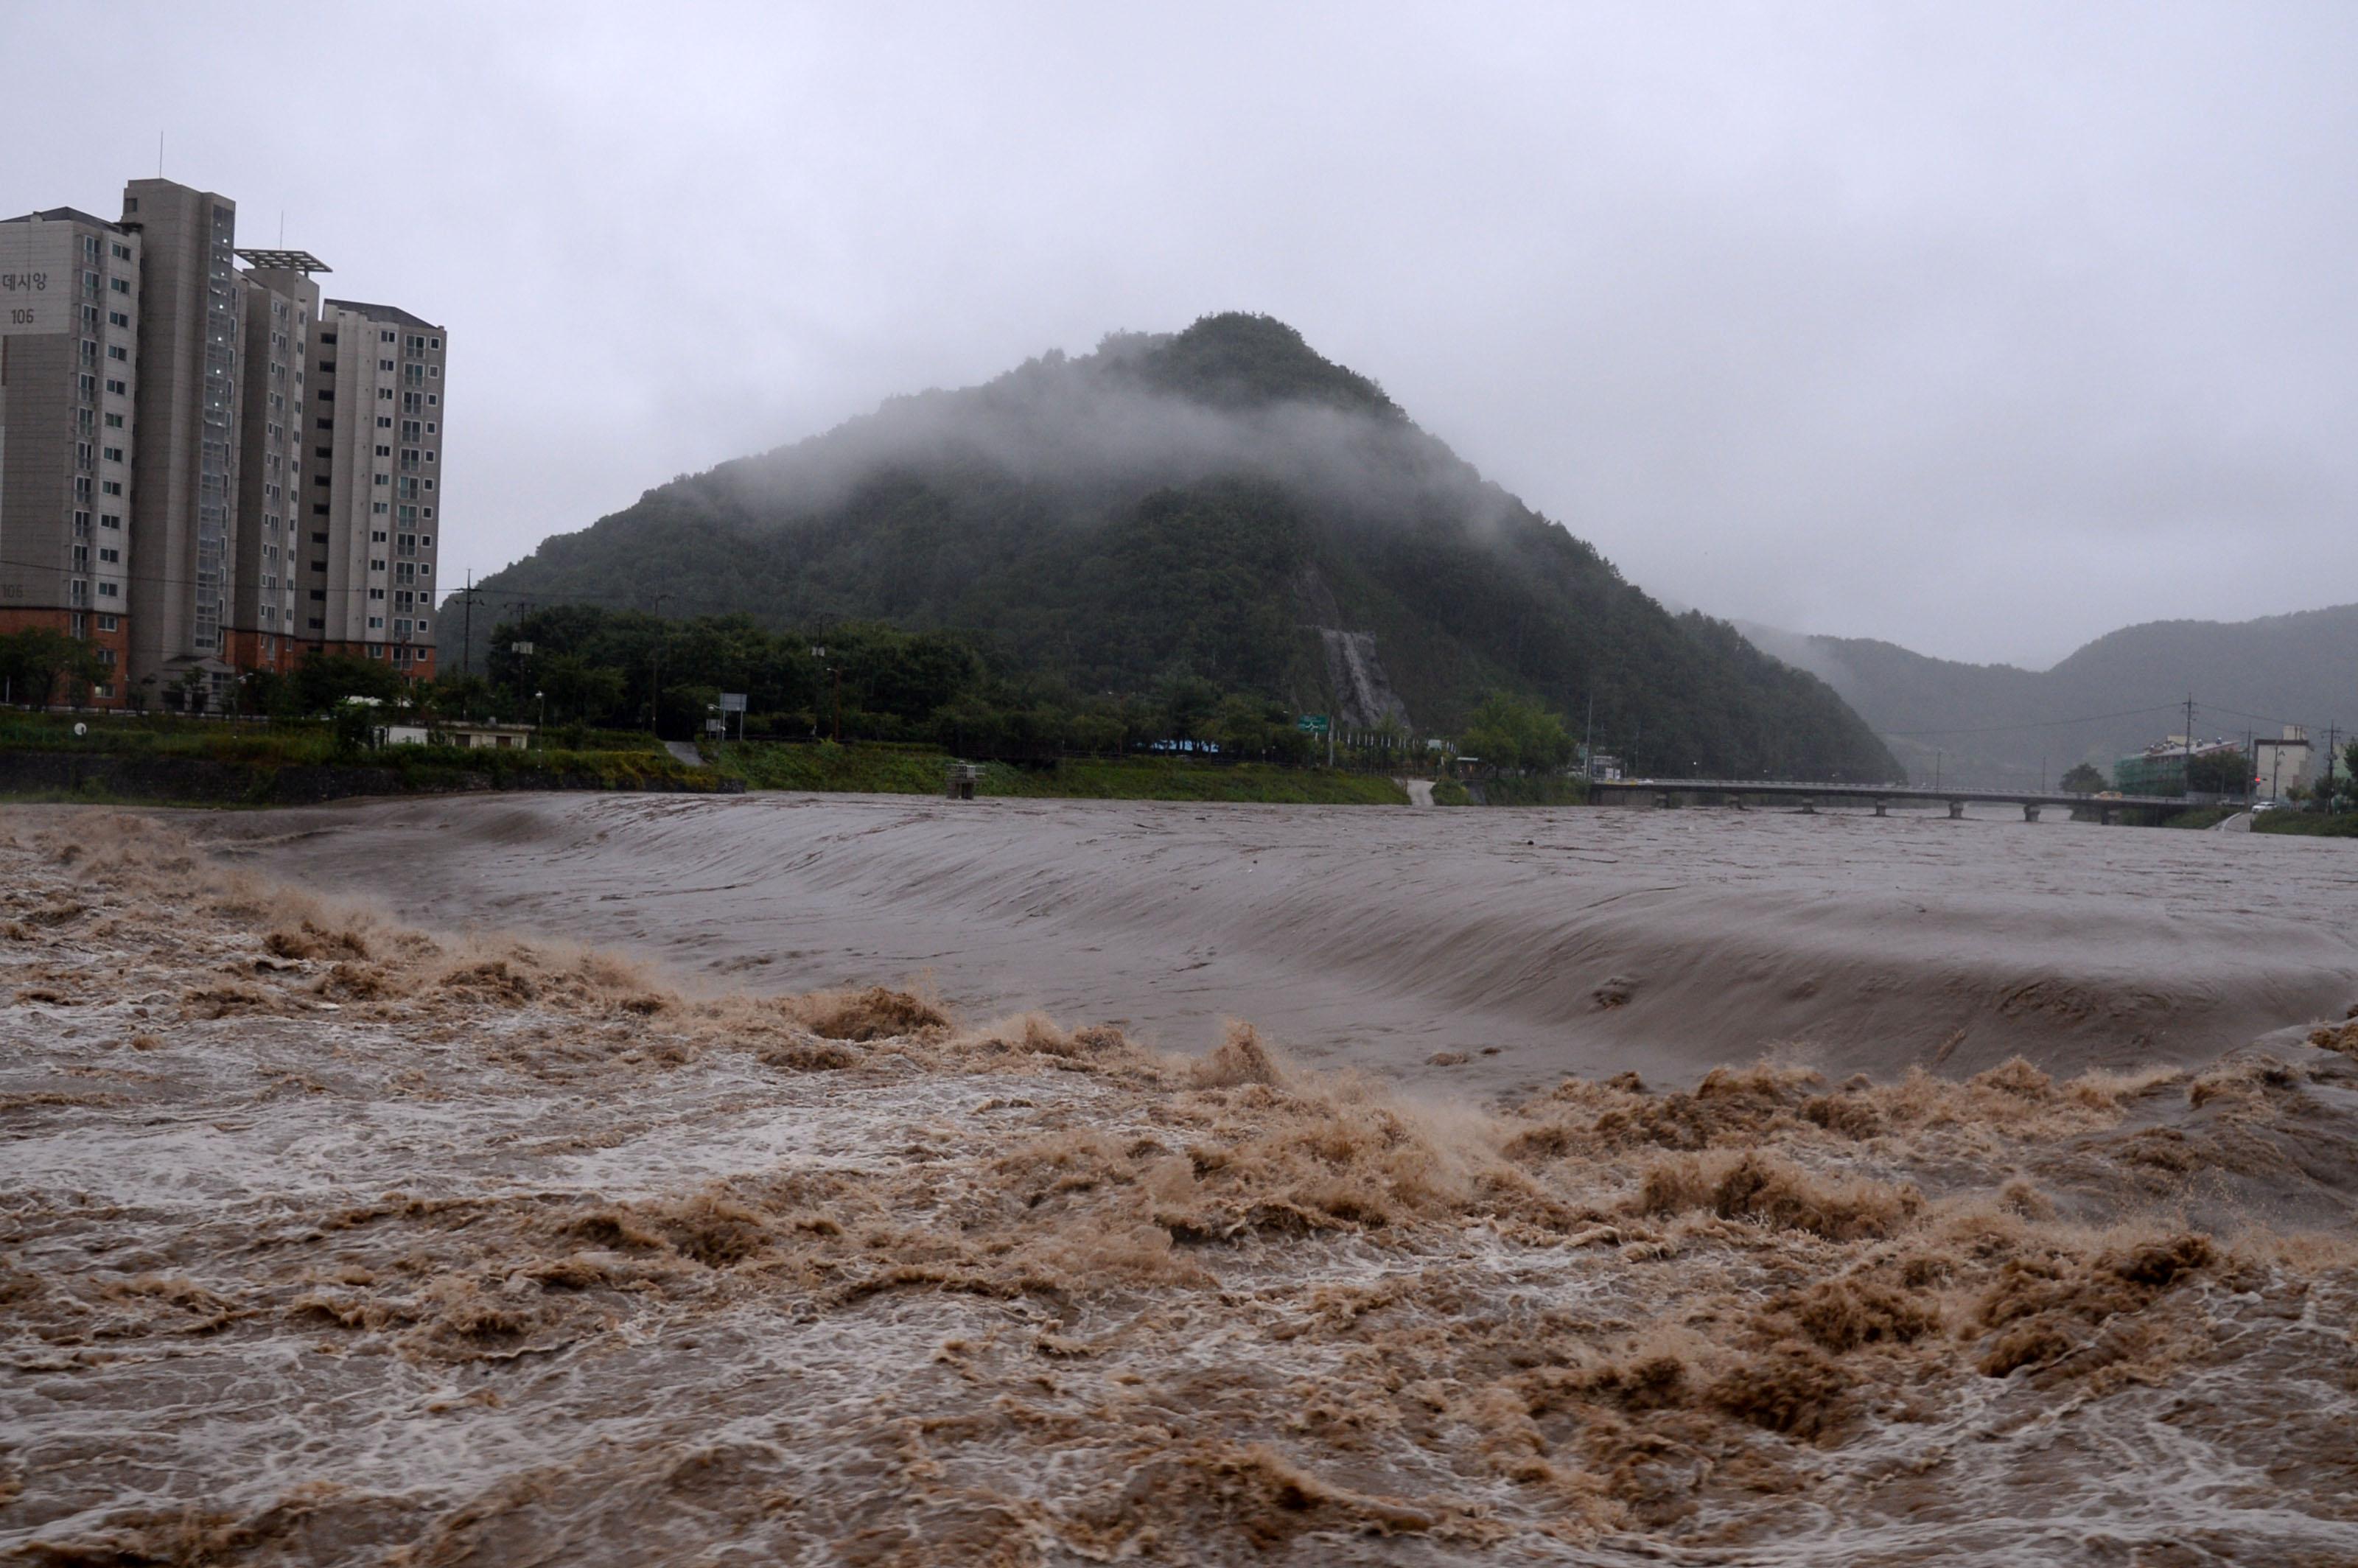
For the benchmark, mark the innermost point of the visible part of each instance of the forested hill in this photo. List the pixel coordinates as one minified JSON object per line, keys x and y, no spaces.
{"x":2001,"y":725}
{"x":1222,"y":503}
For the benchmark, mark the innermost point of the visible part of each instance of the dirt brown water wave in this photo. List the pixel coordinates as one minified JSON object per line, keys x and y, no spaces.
{"x":1578,"y":941}
{"x":328,"y":1240}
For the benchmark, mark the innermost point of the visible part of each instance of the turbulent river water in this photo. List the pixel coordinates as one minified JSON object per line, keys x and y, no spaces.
{"x":610,"y":1180}
{"x":1572,"y":941}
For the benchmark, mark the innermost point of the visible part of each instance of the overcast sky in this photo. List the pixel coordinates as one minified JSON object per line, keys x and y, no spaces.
{"x":1984,"y":329}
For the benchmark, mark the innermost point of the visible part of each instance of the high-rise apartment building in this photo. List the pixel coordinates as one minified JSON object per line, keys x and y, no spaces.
{"x":184,"y":482}
{"x":266,"y":596}
{"x":69,"y":319}
{"x":204,"y":469}
{"x":376,"y":464}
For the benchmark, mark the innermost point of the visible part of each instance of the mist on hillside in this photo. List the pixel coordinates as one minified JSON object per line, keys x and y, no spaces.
{"x":1092,"y":428}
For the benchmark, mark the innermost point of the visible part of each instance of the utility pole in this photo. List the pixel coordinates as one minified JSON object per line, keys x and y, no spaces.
{"x":654,"y":707}
{"x":2332,"y":737}
{"x":2190,"y":742}
{"x":1936,"y":767}
{"x":1588,"y":746}
{"x":467,"y":647}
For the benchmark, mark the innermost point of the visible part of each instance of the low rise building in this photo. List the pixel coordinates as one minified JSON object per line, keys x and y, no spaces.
{"x":2282,"y":765}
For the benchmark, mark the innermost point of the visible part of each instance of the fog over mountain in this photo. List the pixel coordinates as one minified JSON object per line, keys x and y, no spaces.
{"x":2000,"y":724}
{"x":1221,"y":504}
{"x":1978,"y":328}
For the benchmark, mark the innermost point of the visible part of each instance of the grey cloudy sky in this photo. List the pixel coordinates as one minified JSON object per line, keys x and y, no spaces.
{"x":1982,"y":328}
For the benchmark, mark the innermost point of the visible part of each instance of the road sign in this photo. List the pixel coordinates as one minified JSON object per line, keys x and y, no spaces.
{"x":732,"y":702}
{"x":1312,"y":724}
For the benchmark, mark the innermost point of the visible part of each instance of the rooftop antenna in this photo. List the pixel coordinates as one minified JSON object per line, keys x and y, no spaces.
{"x":282,"y":228}
{"x":160,"y":154}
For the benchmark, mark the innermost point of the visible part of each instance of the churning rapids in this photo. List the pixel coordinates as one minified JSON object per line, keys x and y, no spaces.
{"x":842,"y":1180}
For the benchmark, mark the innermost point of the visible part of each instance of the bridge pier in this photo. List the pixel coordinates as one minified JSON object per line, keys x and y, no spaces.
{"x":1956,"y":809}
{"x":1882,"y":806}
{"x":2104,"y":816}
{"x":2030,"y":812}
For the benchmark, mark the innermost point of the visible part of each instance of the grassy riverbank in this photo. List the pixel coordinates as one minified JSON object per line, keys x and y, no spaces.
{"x":167,"y":760}
{"x":920,"y":770}
{"x":2306,"y":825}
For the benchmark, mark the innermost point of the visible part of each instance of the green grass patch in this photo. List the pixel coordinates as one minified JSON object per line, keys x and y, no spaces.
{"x":1449,"y":792}
{"x":1534,"y":789}
{"x":2308,"y":823}
{"x":922,"y":770}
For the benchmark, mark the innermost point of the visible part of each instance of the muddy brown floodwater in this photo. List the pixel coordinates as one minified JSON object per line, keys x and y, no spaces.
{"x":1572,"y":941}
{"x":574,"y":1181}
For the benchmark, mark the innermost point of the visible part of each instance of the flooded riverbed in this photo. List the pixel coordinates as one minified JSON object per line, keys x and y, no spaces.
{"x":1572,"y":941}
{"x":328,"y":1239}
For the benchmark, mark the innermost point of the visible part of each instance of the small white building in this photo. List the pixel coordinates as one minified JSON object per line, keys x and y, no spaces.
{"x":2281,"y":764}
{"x":491,"y":735}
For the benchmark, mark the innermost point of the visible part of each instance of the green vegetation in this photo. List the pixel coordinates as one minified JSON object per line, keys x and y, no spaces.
{"x":1142,"y":543}
{"x":260,"y":748}
{"x":2308,"y":823}
{"x":1449,"y":792}
{"x":39,"y":667}
{"x":1534,"y":789}
{"x":2082,"y":778}
{"x":920,"y":770}
{"x":2200,"y":815}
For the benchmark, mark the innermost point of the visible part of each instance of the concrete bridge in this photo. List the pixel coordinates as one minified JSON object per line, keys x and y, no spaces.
{"x":1956,"y":797}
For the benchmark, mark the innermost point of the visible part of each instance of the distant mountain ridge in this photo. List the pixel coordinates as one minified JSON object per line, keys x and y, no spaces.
{"x":1221,"y":504}
{"x":2002,"y":725}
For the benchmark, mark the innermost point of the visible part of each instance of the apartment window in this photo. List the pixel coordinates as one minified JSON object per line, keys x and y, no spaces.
{"x":110,"y":486}
{"x":109,"y":519}
{"x":378,"y":537}
{"x":317,"y":623}
{"x":433,"y":400}
{"x":426,"y":541}
{"x":318,"y":538}
{"x":117,"y":318}
{"x":434,"y":372}
{"x":429,"y":457}
{"x":431,"y":426}
{"x":122,"y":251}
{"x":320,"y":509}
{"x":115,"y":421}
{"x":384,"y":394}
{"x":376,"y":623}
{"x":109,"y":624}
{"x":384,"y":479}
{"x":108,"y":555}
{"x":328,"y":339}
{"x":120,"y":285}
{"x":385,"y":336}
{"x":384,"y":365}
{"x":380,"y":507}
{"x":384,"y":421}
{"x":318,"y":593}
{"x":422,"y":630}
{"x":113,"y":454}
{"x":400,"y":629}
{"x":108,"y":591}
{"x":385,"y":452}
{"x":117,"y":351}
{"x":327,"y":423}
